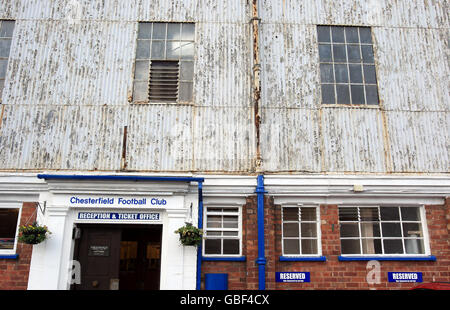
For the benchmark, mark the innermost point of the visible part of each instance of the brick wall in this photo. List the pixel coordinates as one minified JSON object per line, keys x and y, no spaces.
{"x":14,"y":272}
{"x":331,"y":274}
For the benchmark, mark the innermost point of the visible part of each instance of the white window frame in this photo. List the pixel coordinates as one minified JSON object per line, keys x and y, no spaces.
{"x":205,"y":229}
{"x":12,"y":205}
{"x":318,"y":232}
{"x":423,"y":222}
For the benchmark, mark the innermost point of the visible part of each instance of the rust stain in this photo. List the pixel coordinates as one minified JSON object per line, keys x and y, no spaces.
{"x":124,"y":149}
{"x":256,"y":81}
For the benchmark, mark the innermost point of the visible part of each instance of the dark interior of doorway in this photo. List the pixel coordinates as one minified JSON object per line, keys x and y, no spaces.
{"x":124,"y":257}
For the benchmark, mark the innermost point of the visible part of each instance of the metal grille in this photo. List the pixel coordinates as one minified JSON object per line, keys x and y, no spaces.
{"x":164,"y":81}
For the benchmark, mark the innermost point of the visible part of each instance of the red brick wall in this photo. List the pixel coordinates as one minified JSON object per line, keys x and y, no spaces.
{"x":14,"y":272}
{"x":331,"y":274}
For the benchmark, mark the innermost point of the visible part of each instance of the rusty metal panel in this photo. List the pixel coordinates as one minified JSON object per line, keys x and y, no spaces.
{"x":160,"y":138}
{"x":352,"y":140}
{"x":420,"y":141}
{"x":290,"y":140}
{"x":224,"y":139}
{"x":388,"y":13}
{"x":413,"y":76}
{"x":60,"y":137}
{"x":290,"y":70}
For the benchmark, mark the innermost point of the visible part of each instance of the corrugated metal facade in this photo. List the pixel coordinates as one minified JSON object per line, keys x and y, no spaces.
{"x":66,"y":100}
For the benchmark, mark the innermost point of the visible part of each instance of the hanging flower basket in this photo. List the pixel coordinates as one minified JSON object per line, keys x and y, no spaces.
{"x":190,"y":235}
{"x":33,"y":234}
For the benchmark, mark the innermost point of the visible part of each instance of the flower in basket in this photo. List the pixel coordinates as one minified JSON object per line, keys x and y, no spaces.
{"x":33,"y":234}
{"x":190,"y":235}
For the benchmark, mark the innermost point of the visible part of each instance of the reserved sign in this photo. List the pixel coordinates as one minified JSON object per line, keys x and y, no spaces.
{"x":404,"y":277}
{"x":292,"y":277}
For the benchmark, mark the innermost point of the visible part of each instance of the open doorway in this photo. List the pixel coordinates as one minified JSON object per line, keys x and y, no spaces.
{"x":124,"y":257}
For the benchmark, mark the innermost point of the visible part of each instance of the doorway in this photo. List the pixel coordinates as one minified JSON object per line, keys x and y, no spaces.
{"x":119,"y":257}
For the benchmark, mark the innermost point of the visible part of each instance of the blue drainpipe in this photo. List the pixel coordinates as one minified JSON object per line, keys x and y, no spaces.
{"x":261,"y":260}
{"x":200,"y":225}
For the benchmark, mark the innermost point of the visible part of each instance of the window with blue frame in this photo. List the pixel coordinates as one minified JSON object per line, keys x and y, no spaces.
{"x":9,"y":218}
{"x":382,"y":230}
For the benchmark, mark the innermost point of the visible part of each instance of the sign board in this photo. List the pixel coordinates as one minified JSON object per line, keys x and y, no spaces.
{"x":116,"y":216}
{"x":114,"y":201}
{"x":400,"y":277}
{"x":292,"y":277}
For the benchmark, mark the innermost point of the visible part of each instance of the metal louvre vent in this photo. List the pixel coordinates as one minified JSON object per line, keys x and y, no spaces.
{"x":163,"y":84}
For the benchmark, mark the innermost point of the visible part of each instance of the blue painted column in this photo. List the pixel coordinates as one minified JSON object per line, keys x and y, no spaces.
{"x":261,"y":260}
{"x":200,"y":226}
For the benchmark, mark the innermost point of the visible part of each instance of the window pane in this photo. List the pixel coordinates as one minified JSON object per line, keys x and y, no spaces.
{"x":145,"y":31}
{"x":290,"y":230}
{"x":309,"y":229}
{"x":309,"y":246}
{"x":371,"y":246}
{"x":349,"y":230}
{"x":7,"y":28}
{"x":291,"y":246}
{"x":230,"y":222}
{"x":341,"y":73}
{"x":410,"y":213}
{"x":188,"y":32}
{"x":338,"y":34}
{"x":355,"y":74}
{"x":367,"y":53}
{"x":173,"y":50}
{"x":186,"y":90}
{"x":357,"y":94}
{"x":351,"y":34}
{"x":391,"y":229}
{"x":328,"y":94}
{"x":369,"y":74}
{"x":365,"y":35}
{"x":325,"y":52}
{"x":354,"y":54}
{"x":323,"y":33}
{"x":231,"y":233}
{"x":140,"y":91}
{"x":393,"y":246}
{"x":343,"y":96}
{"x":187,"y":70}
{"x":231,"y":246}
{"x":142,"y":70}
{"x":3,"y":67}
{"x":212,"y":246}
{"x":143,"y":49}
{"x":412,"y":230}
{"x":308,"y":214}
{"x":389,"y":214}
{"x":157,"y":49}
{"x":370,"y":230}
{"x":187,"y":50}
{"x":8,"y":228}
{"x":290,"y":214}
{"x":326,"y":73}
{"x":368,"y":214}
{"x":159,"y":31}
{"x":5,"y":45}
{"x":213,"y":233}
{"x":348,"y":214}
{"x":173,"y":31}
{"x":2,"y":84}
{"x":339,"y":53}
{"x":414,"y":246}
{"x":214,"y":221}
{"x":371,"y":94}
{"x":351,"y":246}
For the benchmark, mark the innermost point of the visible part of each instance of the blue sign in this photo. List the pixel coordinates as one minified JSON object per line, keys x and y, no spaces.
{"x":118,"y":216}
{"x":404,"y":277}
{"x":292,"y":277}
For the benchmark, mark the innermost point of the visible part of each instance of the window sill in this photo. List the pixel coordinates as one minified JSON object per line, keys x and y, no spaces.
{"x":9,"y":256}
{"x":224,"y":259}
{"x":387,"y":258}
{"x":303,"y":259}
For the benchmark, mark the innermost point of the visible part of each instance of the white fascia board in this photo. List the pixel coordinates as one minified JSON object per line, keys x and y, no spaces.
{"x":23,"y":187}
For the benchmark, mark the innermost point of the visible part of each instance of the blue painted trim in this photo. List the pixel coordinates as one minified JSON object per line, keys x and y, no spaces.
{"x":387,"y":258}
{"x":303,"y":259}
{"x":225,"y":259}
{"x":10,"y":256}
{"x":117,"y":178}
{"x":261,"y":260}
{"x":200,"y":226}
